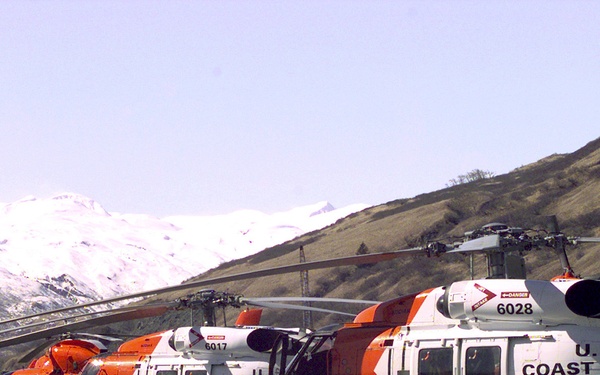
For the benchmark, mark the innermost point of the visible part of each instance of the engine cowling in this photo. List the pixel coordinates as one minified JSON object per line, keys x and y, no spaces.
{"x":233,"y":342}
{"x":527,"y":301}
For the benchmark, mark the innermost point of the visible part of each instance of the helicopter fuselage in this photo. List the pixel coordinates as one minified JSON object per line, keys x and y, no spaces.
{"x":191,"y":351}
{"x":479,"y":327}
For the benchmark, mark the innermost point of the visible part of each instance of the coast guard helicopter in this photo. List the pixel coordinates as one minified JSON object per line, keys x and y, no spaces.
{"x":501,"y":325}
{"x":243,"y":349}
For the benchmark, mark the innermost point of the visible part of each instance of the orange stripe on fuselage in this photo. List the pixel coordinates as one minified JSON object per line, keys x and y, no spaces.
{"x":126,"y":359}
{"x":357,"y":349}
{"x":142,"y":345}
{"x":376,"y":349}
{"x":398,"y":311}
{"x":416,"y":305}
{"x":360,"y":345}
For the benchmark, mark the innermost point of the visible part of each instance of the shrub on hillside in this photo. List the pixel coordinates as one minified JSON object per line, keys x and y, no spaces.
{"x":474,"y":175}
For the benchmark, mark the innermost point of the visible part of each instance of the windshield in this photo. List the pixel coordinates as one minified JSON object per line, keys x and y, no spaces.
{"x":92,"y":367}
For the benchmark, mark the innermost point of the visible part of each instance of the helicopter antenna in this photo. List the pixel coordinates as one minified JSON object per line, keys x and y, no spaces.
{"x":471,"y":267}
{"x":306,"y":314}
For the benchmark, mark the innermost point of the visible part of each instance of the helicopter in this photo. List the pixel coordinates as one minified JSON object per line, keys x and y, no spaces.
{"x":242,"y":349}
{"x":504,"y":324}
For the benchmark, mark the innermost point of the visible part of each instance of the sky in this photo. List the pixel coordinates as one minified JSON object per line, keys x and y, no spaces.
{"x":207,"y":107}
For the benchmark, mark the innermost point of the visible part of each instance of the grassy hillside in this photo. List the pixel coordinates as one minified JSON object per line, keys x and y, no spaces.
{"x":564,"y":185}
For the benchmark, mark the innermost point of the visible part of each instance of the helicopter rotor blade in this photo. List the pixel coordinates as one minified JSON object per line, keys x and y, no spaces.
{"x":167,"y":305}
{"x":487,"y":243}
{"x":481,"y":244}
{"x":35,"y":352}
{"x":288,"y":306}
{"x":308,"y":299}
{"x":336,"y":262}
{"x":577,"y":240}
{"x":94,"y":336}
{"x":89,"y":323}
{"x":275,"y":302}
{"x":143,"y":311}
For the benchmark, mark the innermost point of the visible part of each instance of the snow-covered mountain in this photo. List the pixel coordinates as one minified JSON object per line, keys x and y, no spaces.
{"x":68,"y":249}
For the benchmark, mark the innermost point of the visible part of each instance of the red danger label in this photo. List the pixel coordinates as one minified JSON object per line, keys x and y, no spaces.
{"x":514,"y":295}
{"x":215,"y":337}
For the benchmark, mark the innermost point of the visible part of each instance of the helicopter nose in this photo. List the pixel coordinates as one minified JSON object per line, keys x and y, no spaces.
{"x":583,"y":298}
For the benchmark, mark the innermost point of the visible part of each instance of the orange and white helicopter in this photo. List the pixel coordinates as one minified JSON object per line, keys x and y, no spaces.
{"x":504,"y":324}
{"x":243,"y":349}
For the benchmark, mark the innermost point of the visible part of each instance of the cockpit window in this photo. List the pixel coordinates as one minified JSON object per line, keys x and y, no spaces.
{"x":92,"y":367}
{"x":321,"y":344}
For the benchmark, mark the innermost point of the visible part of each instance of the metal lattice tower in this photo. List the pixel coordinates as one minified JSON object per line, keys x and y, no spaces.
{"x":307,"y":315}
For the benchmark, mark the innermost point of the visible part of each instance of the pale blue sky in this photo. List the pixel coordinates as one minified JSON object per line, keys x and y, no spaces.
{"x":205,"y":107}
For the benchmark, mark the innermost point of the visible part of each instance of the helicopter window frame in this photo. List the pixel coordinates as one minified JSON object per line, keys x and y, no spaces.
{"x":316,"y":343}
{"x":436,"y":361}
{"x":488,"y":360}
{"x":195,"y":372}
{"x":93,"y":366}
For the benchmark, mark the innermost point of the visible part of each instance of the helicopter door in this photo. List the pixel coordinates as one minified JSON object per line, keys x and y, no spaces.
{"x":484,"y":356}
{"x":425,"y":357}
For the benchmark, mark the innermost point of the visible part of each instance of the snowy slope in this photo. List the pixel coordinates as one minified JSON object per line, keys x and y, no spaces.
{"x":68,"y":248}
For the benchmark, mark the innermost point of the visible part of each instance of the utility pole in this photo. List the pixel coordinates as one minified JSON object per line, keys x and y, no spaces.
{"x":307,"y":315}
